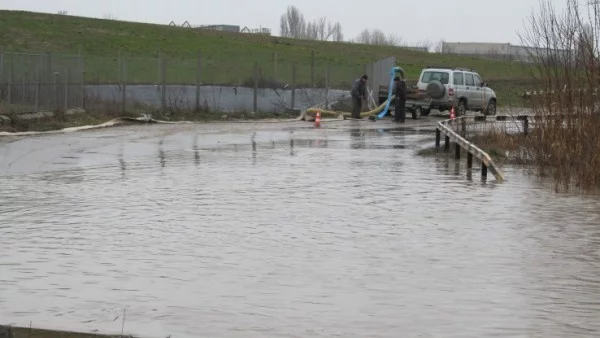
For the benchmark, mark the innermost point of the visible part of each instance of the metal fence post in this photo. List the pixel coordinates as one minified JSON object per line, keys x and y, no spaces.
{"x":163,"y":81}
{"x":438,"y":138}
{"x":1,"y":65}
{"x":293,"y":85}
{"x":66,"y":84}
{"x":312,"y":70}
{"x":327,"y":84}
{"x":275,"y":77}
{"x":123,"y":86}
{"x":9,"y":88}
{"x":198,"y":80}
{"x":38,"y":86}
{"x":255,"y":91}
{"x":54,"y":91}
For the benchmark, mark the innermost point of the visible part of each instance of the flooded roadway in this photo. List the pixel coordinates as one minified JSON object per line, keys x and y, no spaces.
{"x":281,"y":230}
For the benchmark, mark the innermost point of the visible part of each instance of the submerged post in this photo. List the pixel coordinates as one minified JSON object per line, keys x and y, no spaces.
{"x":526,"y":125}
{"x":484,"y":170}
{"x":438,"y":138}
{"x":457,"y":151}
{"x":447,"y":143}
{"x":469,"y":160}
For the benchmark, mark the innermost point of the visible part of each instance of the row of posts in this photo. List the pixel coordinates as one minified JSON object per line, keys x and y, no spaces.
{"x":197,"y":105}
{"x":55,"y":99}
{"x":457,"y":147}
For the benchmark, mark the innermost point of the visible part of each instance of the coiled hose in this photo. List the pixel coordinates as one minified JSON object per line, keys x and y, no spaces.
{"x":312,"y":112}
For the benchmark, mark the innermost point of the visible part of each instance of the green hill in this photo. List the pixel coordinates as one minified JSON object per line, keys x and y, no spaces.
{"x":227,"y":58}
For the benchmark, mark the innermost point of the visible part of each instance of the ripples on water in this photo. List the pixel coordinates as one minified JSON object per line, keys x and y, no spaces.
{"x":303,"y":234}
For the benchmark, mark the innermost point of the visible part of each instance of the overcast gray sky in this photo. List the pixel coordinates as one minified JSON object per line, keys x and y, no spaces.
{"x":412,"y":20}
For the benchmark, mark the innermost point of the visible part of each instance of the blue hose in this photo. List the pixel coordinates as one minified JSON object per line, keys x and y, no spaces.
{"x":387,"y":105}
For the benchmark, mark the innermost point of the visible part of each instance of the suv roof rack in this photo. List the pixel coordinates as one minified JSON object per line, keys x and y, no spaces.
{"x":452,"y":68}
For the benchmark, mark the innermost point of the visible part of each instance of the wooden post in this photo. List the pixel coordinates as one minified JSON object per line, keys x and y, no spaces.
{"x":457,"y":151}
{"x":469,"y":160}
{"x":312,"y":70}
{"x":198,"y":81}
{"x":447,"y":143}
{"x":255,"y":92}
{"x":438,"y":138}
{"x":526,"y":125}
{"x":484,"y":170}
{"x":293,"y":85}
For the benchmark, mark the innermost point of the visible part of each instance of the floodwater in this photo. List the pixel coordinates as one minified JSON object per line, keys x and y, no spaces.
{"x":283,"y":230}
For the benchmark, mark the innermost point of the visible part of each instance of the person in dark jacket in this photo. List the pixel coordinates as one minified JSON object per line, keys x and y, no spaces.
{"x":358,"y":93}
{"x":400,"y":93}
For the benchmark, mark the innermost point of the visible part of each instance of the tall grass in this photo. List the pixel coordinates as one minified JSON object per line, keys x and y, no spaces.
{"x":565,"y":142}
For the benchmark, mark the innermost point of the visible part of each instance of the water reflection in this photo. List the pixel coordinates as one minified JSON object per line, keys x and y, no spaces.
{"x":161,"y":153}
{"x":196,"y":150}
{"x":122,"y":164}
{"x":383,"y":235}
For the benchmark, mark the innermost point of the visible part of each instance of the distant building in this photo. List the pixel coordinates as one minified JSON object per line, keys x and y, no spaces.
{"x":221,"y":28}
{"x":261,"y":30}
{"x":500,"y":51}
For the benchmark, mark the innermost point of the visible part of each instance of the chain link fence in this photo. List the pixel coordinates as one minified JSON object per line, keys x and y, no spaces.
{"x":123,"y":83}
{"x":36,"y":82}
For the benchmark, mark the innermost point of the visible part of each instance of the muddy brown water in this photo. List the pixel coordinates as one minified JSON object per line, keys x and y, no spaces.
{"x":283,"y":230}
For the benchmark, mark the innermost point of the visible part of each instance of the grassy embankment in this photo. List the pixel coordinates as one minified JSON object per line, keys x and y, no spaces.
{"x":227,"y":58}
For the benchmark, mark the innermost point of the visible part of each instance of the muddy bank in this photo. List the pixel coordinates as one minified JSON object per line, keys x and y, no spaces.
{"x":22,"y":332}
{"x":57,"y":121}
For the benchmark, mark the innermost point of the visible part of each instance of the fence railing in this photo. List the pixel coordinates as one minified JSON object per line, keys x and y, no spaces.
{"x":30,"y":81}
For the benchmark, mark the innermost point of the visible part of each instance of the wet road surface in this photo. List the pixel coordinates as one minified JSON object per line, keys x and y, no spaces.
{"x":282,"y":230}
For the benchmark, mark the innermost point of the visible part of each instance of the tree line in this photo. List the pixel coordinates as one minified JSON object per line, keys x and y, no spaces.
{"x":294,"y":25}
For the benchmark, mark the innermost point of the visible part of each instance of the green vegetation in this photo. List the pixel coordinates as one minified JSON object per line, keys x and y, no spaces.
{"x":20,"y":332}
{"x":227,"y":58}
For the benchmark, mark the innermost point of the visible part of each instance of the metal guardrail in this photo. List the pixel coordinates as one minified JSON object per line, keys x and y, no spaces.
{"x":444,"y":127}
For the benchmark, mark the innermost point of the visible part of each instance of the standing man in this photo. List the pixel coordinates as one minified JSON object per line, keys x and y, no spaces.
{"x":358,"y":93}
{"x":400,"y":93}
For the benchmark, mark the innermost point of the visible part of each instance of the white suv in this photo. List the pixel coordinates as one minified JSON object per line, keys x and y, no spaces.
{"x":458,"y":87}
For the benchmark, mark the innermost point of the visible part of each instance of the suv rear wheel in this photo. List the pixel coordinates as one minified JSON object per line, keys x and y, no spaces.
{"x":461,"y":108}
{"x":491,"y":108}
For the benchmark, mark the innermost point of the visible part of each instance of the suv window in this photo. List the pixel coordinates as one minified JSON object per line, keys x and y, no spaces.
{"x":429,"y":76}
{"x":478,"y":81}
{"x":470,"y":80}
{"x":459,"y":79}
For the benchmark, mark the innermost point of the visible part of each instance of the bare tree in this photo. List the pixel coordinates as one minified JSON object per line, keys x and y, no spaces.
{"x":334,"y":31}
{"x":565,"y":140}
{"x":292,"y":24}
{"x":378,"y":37}
{"x":364,"y":37}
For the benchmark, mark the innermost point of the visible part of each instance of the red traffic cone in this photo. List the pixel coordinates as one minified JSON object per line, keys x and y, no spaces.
{"x":318,"y":119}
{"x":452,"y":114}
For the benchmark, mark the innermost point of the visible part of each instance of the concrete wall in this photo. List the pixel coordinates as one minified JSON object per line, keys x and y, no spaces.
{"x":216,"y":98}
